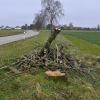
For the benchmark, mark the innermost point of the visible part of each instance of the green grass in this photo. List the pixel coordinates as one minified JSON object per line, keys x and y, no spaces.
{"x":9,"y":52}
{"x":10,"y":32}
{"x":90,"y":36}
{"x":37,"y":86}
{"x":85,"y":41}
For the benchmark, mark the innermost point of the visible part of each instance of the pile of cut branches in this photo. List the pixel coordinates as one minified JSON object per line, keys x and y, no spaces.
{"x":55,"y":59}
{"x":48,"y":58}
{"x":52,"y":59}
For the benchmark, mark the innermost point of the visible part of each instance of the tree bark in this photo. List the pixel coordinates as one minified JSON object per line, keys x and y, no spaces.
{"x":50,"y":40}
{"x":51,"y":26}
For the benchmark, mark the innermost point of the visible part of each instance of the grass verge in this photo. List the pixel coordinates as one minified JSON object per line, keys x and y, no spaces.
{"x":11,"y":51}
{"x":38,"y":86}
{"x":10,"y":32}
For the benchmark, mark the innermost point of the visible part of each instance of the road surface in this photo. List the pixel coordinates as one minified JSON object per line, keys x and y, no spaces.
{"x":9,"y":39}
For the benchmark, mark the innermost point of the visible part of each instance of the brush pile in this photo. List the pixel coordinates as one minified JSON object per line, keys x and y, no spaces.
{"x":54,"y":59}
{"x":51,"y":59}
{"x":48,"y":58}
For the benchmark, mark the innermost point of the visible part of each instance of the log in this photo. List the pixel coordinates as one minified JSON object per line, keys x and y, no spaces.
{"x":56,"y":76}
{"x":56,"y":73}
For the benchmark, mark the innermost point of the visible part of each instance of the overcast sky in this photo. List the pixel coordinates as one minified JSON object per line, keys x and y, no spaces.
{"x":79,"y":12}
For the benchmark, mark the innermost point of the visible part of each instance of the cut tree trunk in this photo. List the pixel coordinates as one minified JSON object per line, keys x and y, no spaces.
{"x":50,"y":40}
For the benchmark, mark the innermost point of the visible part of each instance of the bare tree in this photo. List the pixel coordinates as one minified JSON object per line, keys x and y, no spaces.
{"x":98,"y":27}
{"x":71,"y":26}
{"x":40,"y":20}
{"x":53,"y":10}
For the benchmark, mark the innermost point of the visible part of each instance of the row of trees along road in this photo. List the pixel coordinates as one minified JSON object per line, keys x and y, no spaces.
{"x":50,"y":13}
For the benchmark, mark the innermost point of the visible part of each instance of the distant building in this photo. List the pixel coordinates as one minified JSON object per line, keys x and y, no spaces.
{"x":17,"y":27}
{"x":8,"y":28}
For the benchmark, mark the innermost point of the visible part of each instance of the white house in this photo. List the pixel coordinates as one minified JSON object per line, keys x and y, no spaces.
{"x":17,"y":27}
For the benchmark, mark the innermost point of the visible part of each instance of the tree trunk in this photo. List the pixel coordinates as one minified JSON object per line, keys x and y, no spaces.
{"x":51,"y":25}
{"x":49,"y":41}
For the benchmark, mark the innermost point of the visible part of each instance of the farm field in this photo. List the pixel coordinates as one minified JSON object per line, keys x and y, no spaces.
{"x":88,"y":42}
{"x":10,"y":32}
{"x":30,"y":87}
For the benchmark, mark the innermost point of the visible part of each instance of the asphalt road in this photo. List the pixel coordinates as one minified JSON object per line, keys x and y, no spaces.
{"x":9,"y":39}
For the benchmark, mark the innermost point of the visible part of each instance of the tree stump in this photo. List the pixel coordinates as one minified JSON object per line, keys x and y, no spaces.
{"x":56,"y":75}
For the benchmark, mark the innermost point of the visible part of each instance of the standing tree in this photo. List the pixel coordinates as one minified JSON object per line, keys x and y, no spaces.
{"x":98,"y":27}
{"x":52,"y":10}
{"x":71,"y":26}
{"x":40,"y":20}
